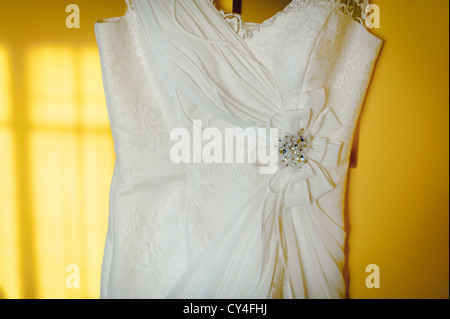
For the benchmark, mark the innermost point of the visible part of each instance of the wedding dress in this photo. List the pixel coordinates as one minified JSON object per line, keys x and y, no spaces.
{"x":211,"y":230}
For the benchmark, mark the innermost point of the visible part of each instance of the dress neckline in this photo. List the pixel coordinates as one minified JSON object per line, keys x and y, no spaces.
{"x":242,"y":22}
{"x":257,"y":24}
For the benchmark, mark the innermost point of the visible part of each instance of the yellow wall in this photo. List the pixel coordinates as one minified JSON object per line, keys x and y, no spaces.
{"x":56,"y":149}
{"x":398,"y":200}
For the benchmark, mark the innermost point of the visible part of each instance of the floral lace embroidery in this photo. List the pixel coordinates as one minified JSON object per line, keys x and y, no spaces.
{"x":247,"y":176}
{"x":198,"y":177}
{"x":235,"y":21}
{"x":158,"y":113}
{"x":138,"y":237}
{"x":137,"y":116}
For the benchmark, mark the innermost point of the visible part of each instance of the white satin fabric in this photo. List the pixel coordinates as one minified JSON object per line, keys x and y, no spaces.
{"x":224,"y":230}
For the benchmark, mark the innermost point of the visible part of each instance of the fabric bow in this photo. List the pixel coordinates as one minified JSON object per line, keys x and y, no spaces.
{"x":302,"y":187}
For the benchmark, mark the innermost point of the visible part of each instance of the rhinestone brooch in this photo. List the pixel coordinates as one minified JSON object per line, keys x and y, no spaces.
{"x":294,"y":149}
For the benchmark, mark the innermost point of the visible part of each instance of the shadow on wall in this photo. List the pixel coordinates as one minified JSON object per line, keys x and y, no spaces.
{"x":56,"y":165}
{"x":56,"y":148}
{"x":2,"y":293}
{"x":348,"y":210}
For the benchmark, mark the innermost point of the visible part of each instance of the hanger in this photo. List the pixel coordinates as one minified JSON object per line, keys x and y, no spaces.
{"x":237,"y":6}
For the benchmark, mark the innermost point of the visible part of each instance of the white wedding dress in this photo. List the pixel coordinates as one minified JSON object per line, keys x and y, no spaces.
{"x":225,"y":230}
